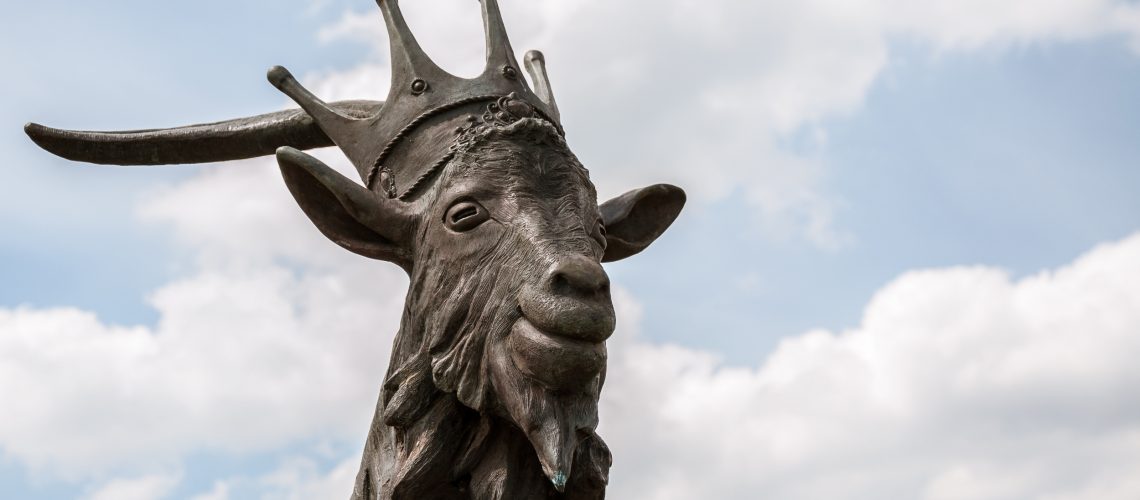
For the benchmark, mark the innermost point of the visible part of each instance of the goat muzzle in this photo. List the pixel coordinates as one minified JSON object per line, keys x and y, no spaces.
{"x":555,"y":361}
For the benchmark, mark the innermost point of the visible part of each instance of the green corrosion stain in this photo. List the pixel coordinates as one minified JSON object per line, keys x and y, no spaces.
{"x":559,"y":480}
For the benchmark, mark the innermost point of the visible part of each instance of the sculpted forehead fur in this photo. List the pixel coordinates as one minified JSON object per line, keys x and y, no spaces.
{"x":529,"y":153}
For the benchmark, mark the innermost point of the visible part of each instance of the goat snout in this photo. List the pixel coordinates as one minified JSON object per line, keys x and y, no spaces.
{"x":577,"y":275}
{"x":572,"y":299}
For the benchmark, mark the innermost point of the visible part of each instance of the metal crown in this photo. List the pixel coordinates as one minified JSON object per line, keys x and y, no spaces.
{"x":422,"y":94}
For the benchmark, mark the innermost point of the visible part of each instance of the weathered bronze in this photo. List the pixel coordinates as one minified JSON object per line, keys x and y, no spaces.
{"x":468,"y":185}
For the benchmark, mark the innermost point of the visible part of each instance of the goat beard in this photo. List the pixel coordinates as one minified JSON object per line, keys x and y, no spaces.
{"x":457,"y":345}
{"x":555,"y":422}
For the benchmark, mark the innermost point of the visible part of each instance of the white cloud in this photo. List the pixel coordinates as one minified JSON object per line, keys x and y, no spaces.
{"x":277,"y":337}
{"x":153,"y":487}
{"x":296,"y":478}
{"x":706,"y":93}
{"x":959,"y":384}
{"x":220,"y":491}
{"x":302,"y":479}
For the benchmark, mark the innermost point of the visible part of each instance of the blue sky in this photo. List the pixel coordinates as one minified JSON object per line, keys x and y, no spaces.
{"x":844,"y":166}
{"x":1022,"y":159}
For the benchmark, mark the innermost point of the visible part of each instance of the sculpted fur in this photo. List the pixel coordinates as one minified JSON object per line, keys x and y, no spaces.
{"x":469,"y":186}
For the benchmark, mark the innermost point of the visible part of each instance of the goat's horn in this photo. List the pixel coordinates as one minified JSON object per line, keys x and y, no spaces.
{"x":237,"y":139}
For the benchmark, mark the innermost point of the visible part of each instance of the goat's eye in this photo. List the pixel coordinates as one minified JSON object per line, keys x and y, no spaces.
{"x":465,"y":216}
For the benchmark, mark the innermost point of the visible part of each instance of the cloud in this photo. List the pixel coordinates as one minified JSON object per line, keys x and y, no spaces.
{"x":296,"y":478}
{"x":959,"y":383}
{"x":302,"y":479}
{"x":153,"y":487}
{"x":710,"y":94}
{"x":277,"y":336}
{"x":220,"y":491}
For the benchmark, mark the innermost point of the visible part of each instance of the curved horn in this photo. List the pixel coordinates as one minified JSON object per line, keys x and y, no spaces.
{"x":237,"y":139}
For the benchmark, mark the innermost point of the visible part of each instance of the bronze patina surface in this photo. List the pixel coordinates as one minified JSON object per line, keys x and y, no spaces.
{"x":468,"y":185}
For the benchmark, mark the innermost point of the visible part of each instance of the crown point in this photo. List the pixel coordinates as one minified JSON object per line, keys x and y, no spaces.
{"x":498,"y":43}
{"x":409,"y":61}
{"x":536,"y":67}
{"x":278,"y":75}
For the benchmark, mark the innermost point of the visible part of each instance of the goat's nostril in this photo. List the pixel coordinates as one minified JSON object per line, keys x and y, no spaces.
{"x":578,"y":275}
{"x":560,"y":282}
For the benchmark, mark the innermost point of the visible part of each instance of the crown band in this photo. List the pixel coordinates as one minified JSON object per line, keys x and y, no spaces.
{"x":420,"y":91}
{"x":504,"y":109}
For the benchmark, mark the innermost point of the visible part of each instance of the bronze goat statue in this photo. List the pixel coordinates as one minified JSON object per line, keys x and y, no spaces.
{"x":468,"y":185}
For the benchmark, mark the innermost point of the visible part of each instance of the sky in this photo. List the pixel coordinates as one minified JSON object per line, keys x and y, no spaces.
{"x":909,"y":266}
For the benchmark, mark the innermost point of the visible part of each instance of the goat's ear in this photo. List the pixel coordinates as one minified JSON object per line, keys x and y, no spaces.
{"x":634,"y":219}
{"x":347,"y":213}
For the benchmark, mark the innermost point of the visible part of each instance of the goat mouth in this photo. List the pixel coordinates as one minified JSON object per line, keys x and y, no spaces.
{"x":577,"y":318}
{"x":556,"y":361}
